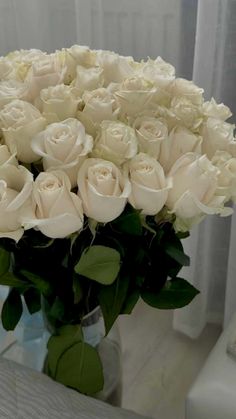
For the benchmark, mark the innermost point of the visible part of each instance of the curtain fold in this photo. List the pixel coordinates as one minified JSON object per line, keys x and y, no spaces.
{"x":199,"y":38}
{"x":43,"y":24}
{"x":212,"y":245}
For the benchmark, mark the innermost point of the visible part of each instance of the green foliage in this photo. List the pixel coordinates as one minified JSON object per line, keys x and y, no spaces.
{"x":111,"y":265}
{"x":130,"y":302}
{"x":5,"y":258}
{"x":11,"y":280}
{"x":183,"y":234}
{"x":73,"y":362}
{"x":99,"y":263}
{"x":11,"y":310}
{"x":108,"y":264}
{"x":177,"y":254}
{"x":80,"y":368}
{"x":176,"y":293}
{"x":111,"y":299}
{"x":36,"y":281}
{"x":57,"y":310}
{"x":77,"y":289}
{"x":129,"y":222}
{"x":57,"y":344}
{"x":32,"y":300}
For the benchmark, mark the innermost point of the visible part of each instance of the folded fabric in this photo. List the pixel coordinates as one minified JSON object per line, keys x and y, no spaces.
{"x":28,"y":394}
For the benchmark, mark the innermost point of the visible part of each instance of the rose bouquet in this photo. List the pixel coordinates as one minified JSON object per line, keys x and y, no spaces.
{"x":105,"y":165}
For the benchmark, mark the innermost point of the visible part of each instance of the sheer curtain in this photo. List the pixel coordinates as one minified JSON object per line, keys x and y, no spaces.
{"x":199,"y":38}
{"x":212,"y":245}
{"x":43,"y":24}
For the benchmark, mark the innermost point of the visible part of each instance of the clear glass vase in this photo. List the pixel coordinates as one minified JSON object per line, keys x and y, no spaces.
{"x":109,"y":349}
{"x":28,"y":346}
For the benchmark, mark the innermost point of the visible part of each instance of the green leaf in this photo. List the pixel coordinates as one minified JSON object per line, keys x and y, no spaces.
{"x":80,"y":368}
{"x":73,"y":362}
{"x":57,"y":310}
{"x":177,"y":254}
{"x":77,"y":289}
{"x":99,"y":263}
{"x":129,"y":222}
{"x":44,"y":245}
{"x":183,"y":234}
{"x":176,"y":293}
{"x":11,"y":280}
{"x":12,"y":310}
{"x":75,"y":331}
{"x":40,"y":283}
{"x":5,"y":258}
{"x":93,"y":224}
{"x":58,"y":344}
{"x":32,"y":300}
{"x":111,"y":299}
{"x":36,"y":239}
{"x":130,"y":302}
{"x":147,"y":226}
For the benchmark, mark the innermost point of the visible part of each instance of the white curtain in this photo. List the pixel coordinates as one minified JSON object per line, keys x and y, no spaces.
{"x":212,"y":245}
{"x":130,"y":27}
{"x":149,"y":28}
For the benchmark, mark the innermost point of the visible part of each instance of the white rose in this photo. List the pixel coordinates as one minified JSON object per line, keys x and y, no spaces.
{"x":231,"y":148}
{"x":6,"y":157}
{"x":22,"y":61}
{"x":194,"y":192}
{"x":186,"y":113}
{"x":57,"y":103}
{"x":57,"y":211}
{"x":7,"y":69}
{"x":215,"y":110}
{"x":82,"y":55}
{"x":115,"y":67}
{"x":227,"y":175}
{"x":187,"y":89}
{"x":103,"y":189}
{"x":11,"y":90}
{"x":116,"y":142}
{"x":161,"y":97}
{"x":26,"y":56}
{"x":150,"y":132}
{"x":134,"y":95}
{"x":15,"y":203}
{"x":149,"y":187}
{"x":220,"y":158}
{"x":161,"y":113}
{"x":180,"y":141}
{"x":158,"y":71}
{"x":63,"y":145}
{"x":20,"y":122}
{"x":88,"y":79}
{"x":44,"y":72}
{"x":99,"y":105}
{"x":74,"y":56}
{"x":217,"y":135}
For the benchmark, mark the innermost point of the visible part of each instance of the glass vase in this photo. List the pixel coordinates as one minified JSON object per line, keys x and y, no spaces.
{"x":28,"y":346}
{"x":109,"y":349}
